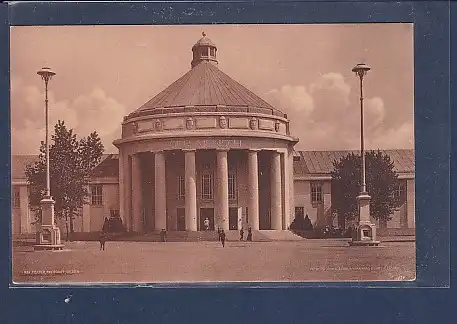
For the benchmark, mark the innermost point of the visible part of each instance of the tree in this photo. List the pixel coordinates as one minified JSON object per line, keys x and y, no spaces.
{"x":301,"y":223}
{"x":71,"y":163}
{"x":381,"y":182}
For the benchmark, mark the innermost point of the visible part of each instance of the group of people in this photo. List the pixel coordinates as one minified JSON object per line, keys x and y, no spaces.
{"x":163,"y":234}
{"x":222,"y":237}
{"x":249,"y":237}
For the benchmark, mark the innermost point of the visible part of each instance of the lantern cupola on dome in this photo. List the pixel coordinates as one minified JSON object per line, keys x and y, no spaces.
{"x":204,"y":50}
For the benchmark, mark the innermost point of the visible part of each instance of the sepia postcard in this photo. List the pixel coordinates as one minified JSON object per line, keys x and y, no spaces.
{"x":212,"y":153}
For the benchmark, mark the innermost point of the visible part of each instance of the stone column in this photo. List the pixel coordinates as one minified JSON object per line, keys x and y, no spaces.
{"x":222,"y":203}
{"x":276,"y":196}
{"x":253,"y":190}
{"x":122,"y":209}
{"x":285,"y":164}
{"x":290,"y":172}
{"x":128,"y":192}
{"x":160,"y":192}
{"x":136,"y":194}
{"x":191,"y":190}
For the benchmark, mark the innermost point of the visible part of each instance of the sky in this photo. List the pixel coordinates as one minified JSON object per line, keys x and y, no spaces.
{"x":105,"y":72}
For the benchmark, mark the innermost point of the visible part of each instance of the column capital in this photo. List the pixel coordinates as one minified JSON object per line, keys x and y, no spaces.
{"x":254,"y":150}
{"x":222,"y":149}
{"x":189,"y":150}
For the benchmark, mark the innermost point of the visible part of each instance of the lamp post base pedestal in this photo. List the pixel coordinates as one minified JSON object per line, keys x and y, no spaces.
{"x":366,"y":230}
{"x":48,"y":234}
{"x":364,"y":243}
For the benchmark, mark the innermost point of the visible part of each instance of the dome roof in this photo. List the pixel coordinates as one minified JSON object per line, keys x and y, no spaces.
{"x":206,"y":85}
{"x":205,"y":88}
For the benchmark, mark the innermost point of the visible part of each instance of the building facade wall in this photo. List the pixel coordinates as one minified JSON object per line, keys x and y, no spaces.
{"x":92,"y":217}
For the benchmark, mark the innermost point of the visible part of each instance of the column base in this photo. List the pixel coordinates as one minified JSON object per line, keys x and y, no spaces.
{"x":48,"y":238}
{"x":365,"y":235}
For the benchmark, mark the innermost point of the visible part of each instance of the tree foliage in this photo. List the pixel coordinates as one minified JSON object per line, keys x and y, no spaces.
{"x":71,"y":162}
{"x":302,"y":223}
{"x":381,"y":182}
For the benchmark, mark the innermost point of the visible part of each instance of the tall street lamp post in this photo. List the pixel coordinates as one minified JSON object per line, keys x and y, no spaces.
{"x":366,"y":230}
{"x":48,"y":234}
{"x":47,"y":74}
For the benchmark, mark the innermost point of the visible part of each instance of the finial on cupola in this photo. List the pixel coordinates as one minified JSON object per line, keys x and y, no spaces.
{"x":204,"y":51}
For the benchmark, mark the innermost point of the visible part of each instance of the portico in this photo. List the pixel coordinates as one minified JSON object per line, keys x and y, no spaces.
{"x":205,"y":147}
{"x":192,"y":184}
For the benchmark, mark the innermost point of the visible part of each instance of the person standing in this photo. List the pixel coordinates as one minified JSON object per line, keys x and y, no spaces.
{"x":163,"y":235}
{"x":222,"y":238}
{"x":102,"y":241}
{"x":241,"y":234}
{"x":249,"y":238}
{"x":206,"y":223}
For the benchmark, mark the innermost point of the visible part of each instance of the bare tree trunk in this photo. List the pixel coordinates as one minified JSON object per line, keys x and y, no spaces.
{"x":72,"y":229}
{"x":66,"y":225}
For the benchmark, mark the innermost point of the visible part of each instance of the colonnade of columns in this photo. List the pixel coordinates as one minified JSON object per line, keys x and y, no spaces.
{"x":130,"y":190}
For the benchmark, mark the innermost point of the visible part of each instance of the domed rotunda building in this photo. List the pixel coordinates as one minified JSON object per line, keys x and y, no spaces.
{"x":206,"y":148}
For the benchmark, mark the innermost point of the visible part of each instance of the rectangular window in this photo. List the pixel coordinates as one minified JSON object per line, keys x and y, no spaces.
{"x":400,"y":191}
{"x":207,"y":186}
{"x":16,"y":197}
{"x":316,"y":192}
{"x":96,"y":195}
{"x":205,"y":51}
{"x":231,"y":186}
{"x":212,"y":51}
{"x":181,"y":187}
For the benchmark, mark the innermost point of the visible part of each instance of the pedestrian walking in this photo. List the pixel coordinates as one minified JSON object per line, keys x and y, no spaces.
{"x":249,"y":238}
{"x":241,"y":234}
{"x":163,"y":235}
{"x":219,"y":233}
{"x":223,"y":238}
{"x":102,"y":241}
{"x":206,"y":223}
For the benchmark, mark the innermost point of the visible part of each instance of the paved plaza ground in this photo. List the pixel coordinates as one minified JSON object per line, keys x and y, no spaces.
{"x":306,"y":260}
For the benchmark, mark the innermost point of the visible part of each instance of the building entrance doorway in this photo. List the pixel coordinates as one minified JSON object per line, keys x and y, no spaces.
{"x":233,"y":218}
{"x":181,"y":219}
{"x":206,"y":213}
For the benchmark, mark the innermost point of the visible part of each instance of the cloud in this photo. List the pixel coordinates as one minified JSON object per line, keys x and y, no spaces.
{"x":95,"y":111}
{"x":99,"y":112}
{"x":330,"y":119}
{"x":400,"y":137}
{"x":295,"y":98}
{"x":324,"y":115}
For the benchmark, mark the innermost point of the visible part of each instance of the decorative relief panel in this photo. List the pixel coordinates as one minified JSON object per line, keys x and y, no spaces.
{"x":277,"y":126}
{"x":190,"y":123}
{"x":222,"y":122}
{"x":237,"y":122}
{"x":158,"y":125}
{"x":208,"y":122}
{"x":173,"y":123}
{"x":266,"y":124}
{"x":253,"y":123}
{"x":145,"y":126}
{"x":134,"y":127}
{"x":282,"y":128}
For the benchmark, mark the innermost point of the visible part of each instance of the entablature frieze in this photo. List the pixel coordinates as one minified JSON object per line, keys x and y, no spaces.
{"x":194,"y":144}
